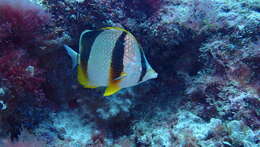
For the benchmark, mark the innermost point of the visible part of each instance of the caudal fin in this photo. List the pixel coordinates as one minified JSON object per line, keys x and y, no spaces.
{"x":73,"y":55}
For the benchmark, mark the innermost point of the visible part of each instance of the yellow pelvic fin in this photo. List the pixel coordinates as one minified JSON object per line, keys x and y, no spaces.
{"x":83,"y":79}
{"x":112,"y":89}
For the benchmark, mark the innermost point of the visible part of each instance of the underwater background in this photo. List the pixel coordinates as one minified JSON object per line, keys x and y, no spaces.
{"x":206,"y":54}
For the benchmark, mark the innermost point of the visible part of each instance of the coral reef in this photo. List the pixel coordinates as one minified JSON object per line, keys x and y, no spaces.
{"x":187,"y":129}
{"x":67,"y":129}
{"x":207,"y":54}
{"x":25,"y":140}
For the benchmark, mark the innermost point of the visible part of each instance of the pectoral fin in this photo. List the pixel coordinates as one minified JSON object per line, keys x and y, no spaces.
{"x":112,"y":89}
{"x":123,"y":75}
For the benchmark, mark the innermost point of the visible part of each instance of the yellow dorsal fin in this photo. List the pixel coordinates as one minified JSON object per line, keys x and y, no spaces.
{"x":83,"y":79}
{"x":112,"y":89}
{"x":116,"y":28}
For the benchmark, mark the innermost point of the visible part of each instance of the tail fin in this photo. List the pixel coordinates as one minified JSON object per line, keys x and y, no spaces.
{"x":73,"y":55}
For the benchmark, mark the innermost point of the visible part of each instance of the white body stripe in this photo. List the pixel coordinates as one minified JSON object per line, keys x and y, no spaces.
{"x":131,"y":62}
{"x":100,"y":57}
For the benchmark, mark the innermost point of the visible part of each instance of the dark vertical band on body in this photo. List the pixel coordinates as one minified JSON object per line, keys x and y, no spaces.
{"x":117,"y":65}
{"x":86,"y":42}
{"x":143,"y":63}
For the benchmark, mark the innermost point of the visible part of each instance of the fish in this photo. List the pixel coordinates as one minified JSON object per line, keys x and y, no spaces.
{"x":110,"y":57}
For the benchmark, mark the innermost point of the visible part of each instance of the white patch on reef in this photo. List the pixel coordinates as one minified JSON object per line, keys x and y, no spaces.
{"x":2,"y":92}
{"x":67,"y":129}
{"x":72,"y":126}
{"x":158,"y":136}
{"x":241,"y":133}
{"x":156,"y":132}
{"x":38,"y":2}
{"x":190,"y":122}
{"x":74,"y":1}
{"x":114,"y":106}
{"x":4,"y":107}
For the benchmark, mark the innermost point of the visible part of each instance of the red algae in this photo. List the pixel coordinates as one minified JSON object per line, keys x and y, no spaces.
{"x":21,"y":23}
{"x":21,"y":72}
{"x":22,"y":27}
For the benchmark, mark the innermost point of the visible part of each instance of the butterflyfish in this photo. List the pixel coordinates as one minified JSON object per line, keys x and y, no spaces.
{"x":110,"y":57}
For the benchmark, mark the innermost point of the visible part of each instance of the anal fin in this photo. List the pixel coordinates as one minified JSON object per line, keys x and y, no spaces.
{"x":112,"y":89}
{"x":83,"y":79}
{"x":89,"y":86}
